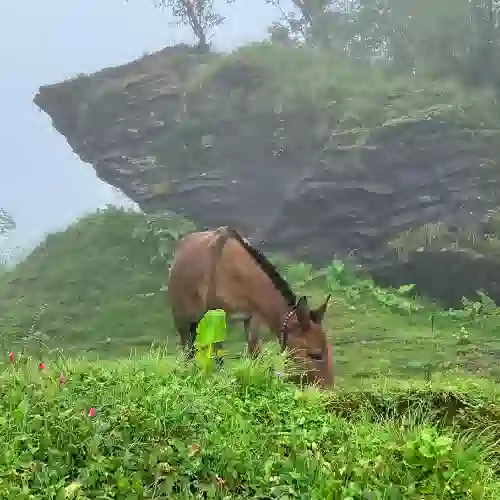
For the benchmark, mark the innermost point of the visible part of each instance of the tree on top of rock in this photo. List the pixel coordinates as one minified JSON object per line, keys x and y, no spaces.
{"x":318,"y":22}
{"x":438,"y":38}
{"x":199,"y":15}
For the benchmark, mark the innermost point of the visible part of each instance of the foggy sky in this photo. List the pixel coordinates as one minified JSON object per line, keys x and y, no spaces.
{"x":42,"y":182}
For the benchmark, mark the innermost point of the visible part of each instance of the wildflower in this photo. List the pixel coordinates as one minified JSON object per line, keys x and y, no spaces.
{"x":11,"y":357}
{"x":92,"y":412}
{"x":195,"y":448}
{"x":41,"y":366}
{"x":62,"y":379}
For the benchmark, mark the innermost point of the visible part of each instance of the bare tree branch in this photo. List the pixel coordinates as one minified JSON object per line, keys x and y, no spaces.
{"x":199,"y":15}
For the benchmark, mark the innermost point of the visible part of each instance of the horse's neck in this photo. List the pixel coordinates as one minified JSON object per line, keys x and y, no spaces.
{"x":266,"y":300}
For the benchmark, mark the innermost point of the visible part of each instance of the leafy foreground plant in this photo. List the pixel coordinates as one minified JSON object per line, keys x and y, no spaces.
{"x":160,"y":432}
{"x":211,"y":331}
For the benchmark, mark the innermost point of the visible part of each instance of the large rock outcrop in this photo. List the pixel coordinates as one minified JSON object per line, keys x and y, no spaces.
{"x":306,"y":155}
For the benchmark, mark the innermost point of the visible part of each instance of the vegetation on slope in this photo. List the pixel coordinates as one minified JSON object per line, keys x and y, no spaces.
{"x":97,"y":287}
{"x":440,"y":38}
{"x":480,"y":242}
{"x":336,"y":98}
{"x":353,"y":94}
{"x":143,"y":429}
{"x":85,"y":284}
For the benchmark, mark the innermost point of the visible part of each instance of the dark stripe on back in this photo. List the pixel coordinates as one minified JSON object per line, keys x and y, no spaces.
{"x":278,"y":281}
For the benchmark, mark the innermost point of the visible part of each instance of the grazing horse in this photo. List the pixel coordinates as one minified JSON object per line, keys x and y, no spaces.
{"x":220,"y":269}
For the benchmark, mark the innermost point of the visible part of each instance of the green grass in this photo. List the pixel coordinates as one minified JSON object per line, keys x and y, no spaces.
{"x":416,"y":411}
{"x":163,"y":431}
{"x":85,"y":285}
{"x":95,"y":289}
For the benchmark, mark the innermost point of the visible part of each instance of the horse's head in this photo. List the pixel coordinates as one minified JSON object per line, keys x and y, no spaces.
{"x":308,"y":343}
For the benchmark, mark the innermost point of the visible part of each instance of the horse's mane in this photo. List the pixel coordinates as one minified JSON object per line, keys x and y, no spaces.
{"x":278,"y":281}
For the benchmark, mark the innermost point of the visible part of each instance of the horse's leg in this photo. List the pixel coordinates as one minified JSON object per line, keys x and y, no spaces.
{"x":187,"y":333}
{"x":252,"y":331}
{"x":192,"y":339}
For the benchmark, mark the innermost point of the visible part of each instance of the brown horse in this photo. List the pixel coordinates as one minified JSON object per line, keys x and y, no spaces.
{"x":219,"y":269}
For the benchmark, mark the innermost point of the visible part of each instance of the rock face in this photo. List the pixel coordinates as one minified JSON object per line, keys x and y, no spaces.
{"x":179,"y":130}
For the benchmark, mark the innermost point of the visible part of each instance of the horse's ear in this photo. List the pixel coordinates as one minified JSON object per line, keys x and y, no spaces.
{"x":318,"y":313}
{"x":303,"y":313}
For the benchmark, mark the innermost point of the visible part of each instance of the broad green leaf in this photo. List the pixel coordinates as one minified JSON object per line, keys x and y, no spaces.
{"x":212,"y":328}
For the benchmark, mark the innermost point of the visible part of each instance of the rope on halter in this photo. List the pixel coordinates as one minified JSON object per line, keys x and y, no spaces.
{"x":284,"y":328}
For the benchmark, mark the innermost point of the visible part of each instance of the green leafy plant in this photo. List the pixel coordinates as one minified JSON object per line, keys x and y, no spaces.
{"x":337,"y":275}
{"x":339,"y":278}
{"x":210,"y":333}
{"x":485,"y":306}
{"x":160,"y":231}
{"x":429,"y":455}
{"x":300,"y":273}
{"x":397,"y":300}
{"x":463,"y":337}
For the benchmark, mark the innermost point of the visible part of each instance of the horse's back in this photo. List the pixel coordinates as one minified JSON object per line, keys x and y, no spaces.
{"x":189,"y":271}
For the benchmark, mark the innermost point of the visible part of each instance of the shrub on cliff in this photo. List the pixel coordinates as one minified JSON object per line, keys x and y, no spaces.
{"x":270,"y":77}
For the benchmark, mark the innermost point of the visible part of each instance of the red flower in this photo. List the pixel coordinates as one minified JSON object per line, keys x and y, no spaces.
{"x":11,"y":357}
{"x":41,"y":365}
{"x":62,"y":379}
{"x":92,"y":412}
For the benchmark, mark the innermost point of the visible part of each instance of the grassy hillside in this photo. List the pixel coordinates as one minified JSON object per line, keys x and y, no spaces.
{"x":85,"y":284}
{"x":414,"y":414}
{"x":96,"y":288}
